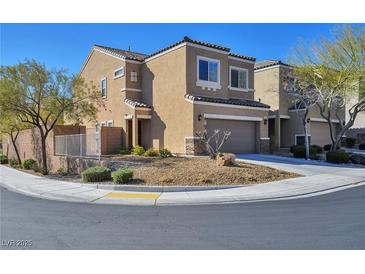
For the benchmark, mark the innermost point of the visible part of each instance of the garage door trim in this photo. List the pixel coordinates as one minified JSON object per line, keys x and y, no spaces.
{"x":232,"y":117}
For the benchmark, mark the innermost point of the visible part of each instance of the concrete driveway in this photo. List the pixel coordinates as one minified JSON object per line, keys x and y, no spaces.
{"x":301,"y":166}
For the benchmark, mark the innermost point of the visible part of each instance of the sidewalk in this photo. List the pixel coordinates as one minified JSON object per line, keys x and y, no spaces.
{"x":319,"y":180}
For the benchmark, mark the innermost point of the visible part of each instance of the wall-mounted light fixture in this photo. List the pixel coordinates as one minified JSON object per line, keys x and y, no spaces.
{"x":199,"y":117}
{"x":308,"y":120}
{"x":265,"y":121}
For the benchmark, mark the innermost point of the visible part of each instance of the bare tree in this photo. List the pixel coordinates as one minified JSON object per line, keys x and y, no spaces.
{"x":303,"y":97}
{"x":214,"y":142}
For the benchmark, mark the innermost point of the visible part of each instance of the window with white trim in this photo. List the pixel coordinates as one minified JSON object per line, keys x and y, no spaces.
{"x":110,"y":123}
{"x":134,"y":76}
{"x":103,"y":87}
{"x":208,"y":72}
{"x":103,"y":124}
{"x":238,"y":78}
{"x":118,"y":73}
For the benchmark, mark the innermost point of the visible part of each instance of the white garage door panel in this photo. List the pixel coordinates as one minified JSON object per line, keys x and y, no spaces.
{"x":242,"y":139}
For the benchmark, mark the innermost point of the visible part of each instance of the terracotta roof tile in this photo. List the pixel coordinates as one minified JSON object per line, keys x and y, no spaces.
{"x":230,"y":101}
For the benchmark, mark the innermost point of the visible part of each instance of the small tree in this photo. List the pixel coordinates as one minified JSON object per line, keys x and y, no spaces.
{"x":335,"y":68}
{"x":303,"y":97}
{"x":214,"y":142}
{"x":42,"y":98}
{"x":11,"y":126}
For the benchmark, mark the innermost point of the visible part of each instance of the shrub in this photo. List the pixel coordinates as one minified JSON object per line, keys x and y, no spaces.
{"x":338,"y":157}
{"x":164,"y":153}
{"x":62,"y":171}
{"x":29,"y":163}
{"x":13,"y":163}
{"x":122,"y":176}
{"x":292,"y":149}
{"x":3,"y":159}
{"x":124,"y":151}
{"x":299,"y":151}
{"x":151,"y":152}
{"x":138,"y":150}
{"x":362,"y":146}
{"x":350,"y":142}
{"x":358,"y":159}
{"x":328,"y":147}
{"x":318,"y":148}
{"x":96,"y":174}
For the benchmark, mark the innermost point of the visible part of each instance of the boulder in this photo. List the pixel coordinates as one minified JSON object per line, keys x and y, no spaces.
{"x":225,"y":159}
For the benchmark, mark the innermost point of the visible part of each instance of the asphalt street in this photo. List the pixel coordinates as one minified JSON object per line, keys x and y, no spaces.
{"x":331,"y":221}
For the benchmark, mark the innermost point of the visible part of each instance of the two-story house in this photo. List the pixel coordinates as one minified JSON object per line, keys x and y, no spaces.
{"x":285,"y":126}
{"x":162,"y":99}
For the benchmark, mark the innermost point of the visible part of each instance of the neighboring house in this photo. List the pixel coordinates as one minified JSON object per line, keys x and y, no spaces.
{"x":285,"y":126}
{"x":161,"y":100}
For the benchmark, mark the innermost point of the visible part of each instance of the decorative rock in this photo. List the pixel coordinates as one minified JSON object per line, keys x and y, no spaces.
{"x":225,"y":159}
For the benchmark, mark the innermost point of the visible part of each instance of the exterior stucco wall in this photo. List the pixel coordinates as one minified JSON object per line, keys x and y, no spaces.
{"x":267,"y":87}
{"x":99,"y":66}
{"x":191,"y":74}
{"x":164,"y":87}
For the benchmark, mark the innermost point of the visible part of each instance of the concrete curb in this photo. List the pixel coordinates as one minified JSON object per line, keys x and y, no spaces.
{"x":136,"y":188}
{"x":322,"y":182}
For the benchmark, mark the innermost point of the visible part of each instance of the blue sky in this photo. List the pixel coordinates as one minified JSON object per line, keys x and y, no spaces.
{"x":67,"y":45}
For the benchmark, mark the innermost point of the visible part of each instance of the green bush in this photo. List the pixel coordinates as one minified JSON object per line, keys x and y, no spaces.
{"x":299,"y":151}
{"x":151,"y":152}
{"x":122,"y":176}
{"x":318,"y":148}
{"x":124,"y":151}
{"x":138,"y":150}
{"x":164,"y":153}
{"x":29,"y":163}
{"x":350,"y":142}
{"x":358,"y":159}
{"x":3,"y":159}
{"x":362,"y":146}
{"x":13,"y":163}
{"x":96,"y":174}
{"x":338,"y":157}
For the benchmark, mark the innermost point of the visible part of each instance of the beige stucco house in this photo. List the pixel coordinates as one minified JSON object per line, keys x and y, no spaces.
{"x":285,"y":127}
{"x":162,"y":99}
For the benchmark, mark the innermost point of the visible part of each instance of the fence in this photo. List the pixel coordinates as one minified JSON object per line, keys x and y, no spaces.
{"x":84,"y":145}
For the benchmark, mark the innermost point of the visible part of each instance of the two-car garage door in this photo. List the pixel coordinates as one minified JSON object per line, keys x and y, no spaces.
{"x":243,"y":134}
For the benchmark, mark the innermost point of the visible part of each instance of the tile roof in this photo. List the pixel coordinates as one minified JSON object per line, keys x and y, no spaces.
{"x":141,"y":57}
{"x":230,"y":101}
{"x":135,"y":103}
{"x":269,"y":63}
{"x":130,"y":55}
{"x":243,"y":57}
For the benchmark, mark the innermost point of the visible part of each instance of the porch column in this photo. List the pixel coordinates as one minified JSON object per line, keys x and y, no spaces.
{"x":277,"y":132}
{"x":134,"y":131}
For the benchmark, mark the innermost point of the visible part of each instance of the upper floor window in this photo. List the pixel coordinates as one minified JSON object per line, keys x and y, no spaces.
{"x":118,"y":72}
{"x":208,"y":72}
{"x":103,"y":87}
{"x":134,"y":76}
{"x":238,"y":78}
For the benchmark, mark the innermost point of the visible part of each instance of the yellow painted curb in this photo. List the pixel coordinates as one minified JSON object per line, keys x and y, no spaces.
{"x":121,"y":195}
